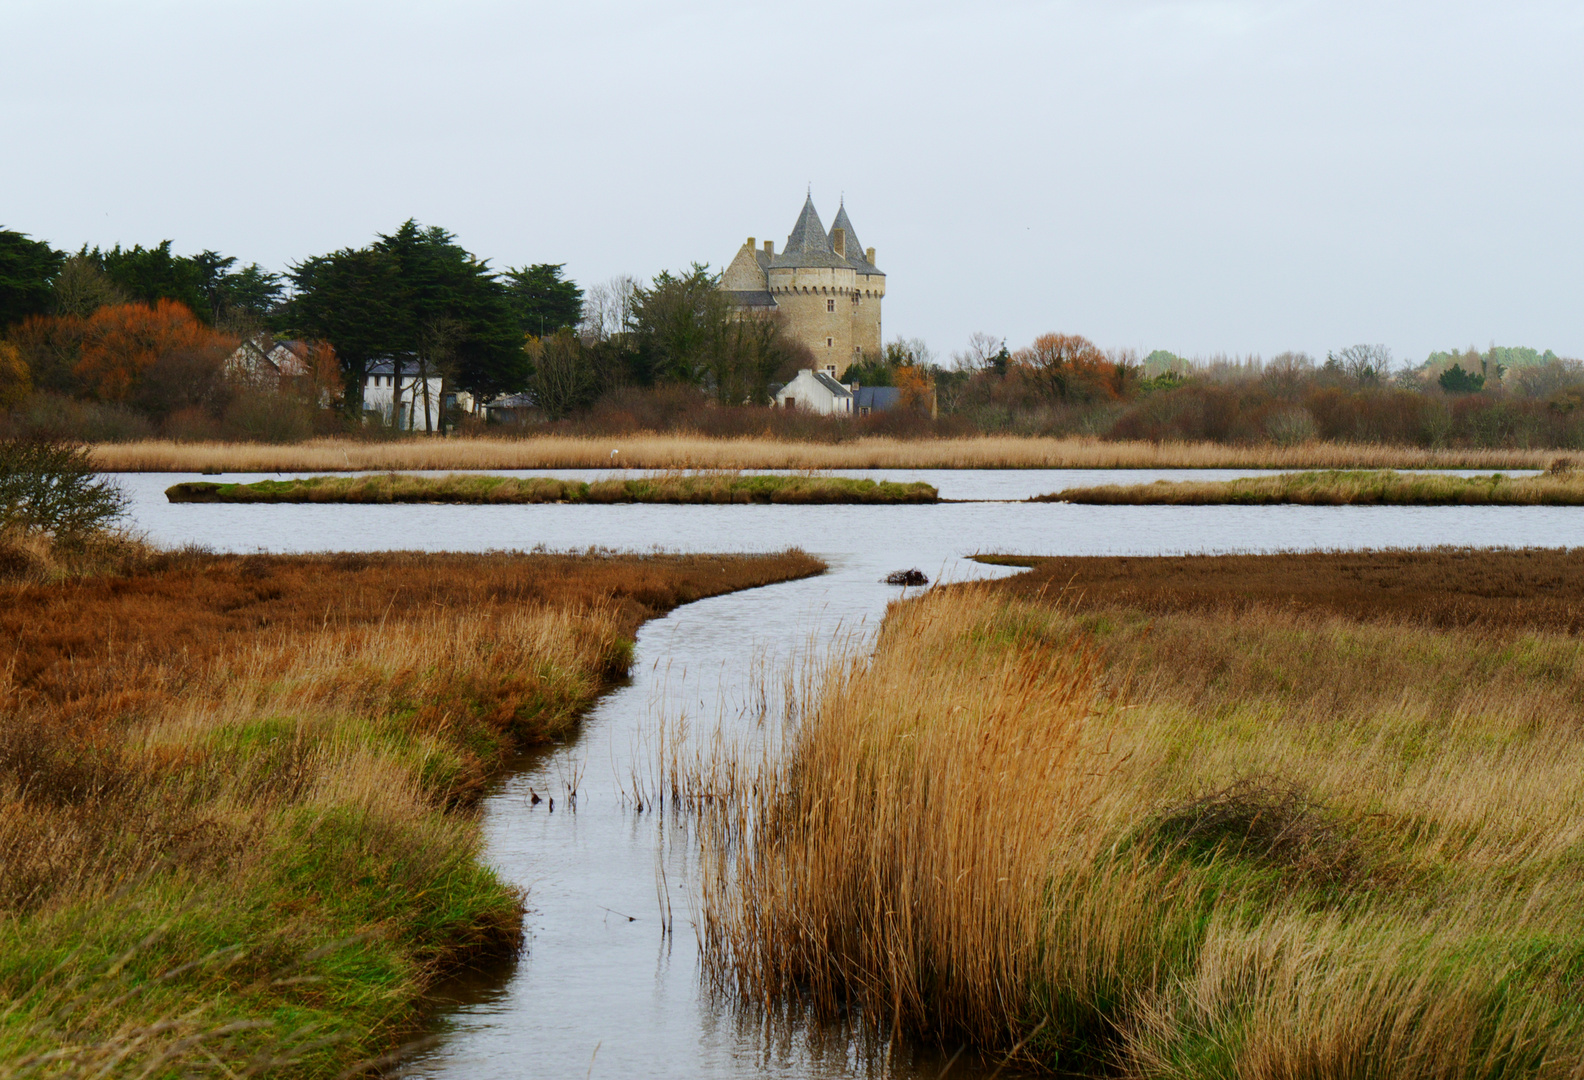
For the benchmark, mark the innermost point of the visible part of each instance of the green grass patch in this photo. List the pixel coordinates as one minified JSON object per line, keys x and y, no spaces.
{"x":477,"y":489}
{"x":1382,"y":487}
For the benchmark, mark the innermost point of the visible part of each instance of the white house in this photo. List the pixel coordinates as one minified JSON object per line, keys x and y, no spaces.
{"x":819,"y":392}
{"x":265,"y":362}
{"x":421,"y":404}
{"x":816,"y":392}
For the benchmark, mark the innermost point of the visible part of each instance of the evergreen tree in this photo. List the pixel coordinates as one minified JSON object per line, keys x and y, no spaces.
{"x":348,"y":298}
{"x":27,"y":267}
{"x":152,"y":274}
{"x":417,"y":297}
{"x":677,"y":323}
{"x":542,"y":300}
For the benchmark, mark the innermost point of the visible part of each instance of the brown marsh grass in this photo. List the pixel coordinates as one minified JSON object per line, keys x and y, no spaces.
{"x":236,"y":824}
{"x":655,"y":451}
{"x":1557,"y":487}
{"x":1512,"y":589}
{"x":1255,"y":841}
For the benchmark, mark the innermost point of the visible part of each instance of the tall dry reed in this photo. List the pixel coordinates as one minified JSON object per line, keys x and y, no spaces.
{"x":653,"y":451}
{"x":1188,"y":845}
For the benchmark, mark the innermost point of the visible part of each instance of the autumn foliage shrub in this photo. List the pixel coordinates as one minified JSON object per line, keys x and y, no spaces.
{"x":158,"y":354}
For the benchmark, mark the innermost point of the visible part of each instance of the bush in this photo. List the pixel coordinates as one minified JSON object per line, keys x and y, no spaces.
{"x":51,"y":486}
{"x":55,"y":416}
{"x":256,"y":416}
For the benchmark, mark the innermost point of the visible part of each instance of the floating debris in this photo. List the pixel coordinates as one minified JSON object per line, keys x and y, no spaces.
{"x":906,"y":577}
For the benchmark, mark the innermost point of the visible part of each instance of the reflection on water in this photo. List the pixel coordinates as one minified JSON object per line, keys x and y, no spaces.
{"x":601,"y":989}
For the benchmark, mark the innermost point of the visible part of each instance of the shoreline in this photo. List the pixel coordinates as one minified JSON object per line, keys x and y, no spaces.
{"x":655,"y":451}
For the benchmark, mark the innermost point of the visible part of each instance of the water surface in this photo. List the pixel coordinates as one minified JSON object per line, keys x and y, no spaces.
{"x":601,"y":990}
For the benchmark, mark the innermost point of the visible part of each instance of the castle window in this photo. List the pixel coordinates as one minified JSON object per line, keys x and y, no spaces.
{"x":829,"y":342}
{"x":830,"y":305}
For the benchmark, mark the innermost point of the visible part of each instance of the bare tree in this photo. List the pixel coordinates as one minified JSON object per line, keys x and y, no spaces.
{"x":1285,"y":373}
{"x":608,"y":309}
{"x":980,"y":352}
{"x":1544,"y":380}
{"x":1365,"y":365}
{"x":909,"y":351}
{"x":82,"y":288}
{"x":563,"y":379}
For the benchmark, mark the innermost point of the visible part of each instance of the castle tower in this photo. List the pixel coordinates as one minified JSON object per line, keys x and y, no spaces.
{"x":825,"y":283}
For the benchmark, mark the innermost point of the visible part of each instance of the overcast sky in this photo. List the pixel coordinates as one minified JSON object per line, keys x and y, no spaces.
{"x":1197,"y":176}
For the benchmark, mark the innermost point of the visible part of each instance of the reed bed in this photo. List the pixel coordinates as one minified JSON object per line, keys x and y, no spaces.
{"x":1559,"y":487}
{"x":473,"y":488}
{"x":655,"y":451}
{"x":237,"y":833}
{"x":1174,"y":844}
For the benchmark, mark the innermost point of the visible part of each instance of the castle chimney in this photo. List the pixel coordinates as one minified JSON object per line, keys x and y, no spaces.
{"x":839,"y":241}
{"x":769,"y":247}
{"x":751,"y":243}
{"x":869,"y":256}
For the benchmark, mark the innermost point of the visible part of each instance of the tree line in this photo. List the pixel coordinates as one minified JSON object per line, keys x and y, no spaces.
{"x":147,"y":331}
{"x":121,"y":342}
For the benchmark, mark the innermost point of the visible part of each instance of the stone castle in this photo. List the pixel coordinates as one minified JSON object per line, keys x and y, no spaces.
{"x":825,"y":284}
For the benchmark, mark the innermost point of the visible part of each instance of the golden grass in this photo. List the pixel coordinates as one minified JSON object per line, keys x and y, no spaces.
{"x":474,"y":488}
{"x":1563,"y":487}
{"x":236,"y":824}
{"x":1185,"y":844}
{"x":652,"y":451}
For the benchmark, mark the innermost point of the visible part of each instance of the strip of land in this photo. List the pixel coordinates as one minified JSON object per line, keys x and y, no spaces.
{"x":653,"y":451}
{"x":1339,"y":488}
{"x":238,"y":831}
{"x":476,"y":488}
{"x":1293,"y":815}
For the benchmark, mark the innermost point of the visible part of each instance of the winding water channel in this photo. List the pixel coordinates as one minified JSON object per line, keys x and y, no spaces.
{"x":600,"y":989}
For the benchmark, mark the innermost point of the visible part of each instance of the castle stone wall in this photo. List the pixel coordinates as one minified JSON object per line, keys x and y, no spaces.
{"x":833,"y":309}
{"x":744,"y":274}
{"x":806,"y":296}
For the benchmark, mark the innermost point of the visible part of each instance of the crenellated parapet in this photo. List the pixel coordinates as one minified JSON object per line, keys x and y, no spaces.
{"x":825,"y":284}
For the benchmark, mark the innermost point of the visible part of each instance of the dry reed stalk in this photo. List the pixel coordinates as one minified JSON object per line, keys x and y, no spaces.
{"x":1253,"y":843}
{"x":654,"y":451}
{"x":883,"y":866}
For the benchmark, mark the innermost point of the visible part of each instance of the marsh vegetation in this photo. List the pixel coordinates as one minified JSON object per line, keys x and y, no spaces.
{"x":691,"y":451}
{"x":674,"y":487}
{"x":1127,"y":816}
{"x":1560,"y":485}
{"x":237,"y":823}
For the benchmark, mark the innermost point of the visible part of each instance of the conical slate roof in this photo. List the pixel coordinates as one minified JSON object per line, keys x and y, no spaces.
{"x":808,"y":244}
{"x":855,"y":250}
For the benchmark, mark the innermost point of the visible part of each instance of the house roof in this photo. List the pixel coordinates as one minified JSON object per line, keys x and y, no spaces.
{"x":749,"y":298}
{"x":386,"y":365}
{"x":808,"y":244}
{"x":511,"y":401}
{"x":836,"y":388}
{"x":877,"y":397}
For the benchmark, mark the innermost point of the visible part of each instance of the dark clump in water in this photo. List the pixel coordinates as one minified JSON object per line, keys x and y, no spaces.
{"x":906,"y":577}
